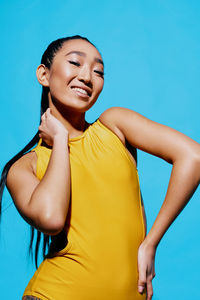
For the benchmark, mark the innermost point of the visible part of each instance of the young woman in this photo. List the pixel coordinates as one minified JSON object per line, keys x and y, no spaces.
{"x":80,"y":184}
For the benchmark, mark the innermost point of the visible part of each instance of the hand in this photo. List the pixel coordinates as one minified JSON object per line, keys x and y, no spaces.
{"x":51,"y":127}
{"x":146,"y":268}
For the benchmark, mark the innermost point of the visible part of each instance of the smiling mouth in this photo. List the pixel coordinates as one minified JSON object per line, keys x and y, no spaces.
{"x":81,"y":92}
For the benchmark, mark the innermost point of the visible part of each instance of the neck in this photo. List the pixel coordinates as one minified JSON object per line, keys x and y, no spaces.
{"x":73,"y":121}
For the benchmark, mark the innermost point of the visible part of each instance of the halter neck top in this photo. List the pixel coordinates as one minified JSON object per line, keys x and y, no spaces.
{"x":105,"y":224}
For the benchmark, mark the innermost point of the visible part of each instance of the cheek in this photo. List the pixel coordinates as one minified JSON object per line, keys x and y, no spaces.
{"x":99,"y":86}
{"x":68,"y":74}
{"x":59,"y":80}
{"x":98,"y":89}
{"x":61,"y":74}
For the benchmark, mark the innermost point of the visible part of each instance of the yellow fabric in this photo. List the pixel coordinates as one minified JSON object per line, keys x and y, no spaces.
{"x":105,"y":227}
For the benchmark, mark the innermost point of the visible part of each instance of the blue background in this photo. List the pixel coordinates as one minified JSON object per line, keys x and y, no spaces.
{"x":151,"y":52}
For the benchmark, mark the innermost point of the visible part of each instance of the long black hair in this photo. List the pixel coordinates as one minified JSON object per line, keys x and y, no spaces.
{"x":47,"y":59}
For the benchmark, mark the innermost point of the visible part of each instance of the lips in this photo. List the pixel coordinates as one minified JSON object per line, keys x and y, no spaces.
{"x":84,"y":91}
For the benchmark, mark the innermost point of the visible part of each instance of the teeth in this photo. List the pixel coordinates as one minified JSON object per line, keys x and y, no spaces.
{"x":80,"y":90}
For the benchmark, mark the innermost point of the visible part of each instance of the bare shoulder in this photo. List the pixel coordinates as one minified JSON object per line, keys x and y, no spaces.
{"x":21,"y":182}
{"x":116,"y":117}
{"x":28,"y":161}
{"x":150,"y":136}
{"x":109,"y":119}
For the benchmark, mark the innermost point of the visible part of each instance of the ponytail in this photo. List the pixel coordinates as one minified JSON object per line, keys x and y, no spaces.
{"x":47,"y":59}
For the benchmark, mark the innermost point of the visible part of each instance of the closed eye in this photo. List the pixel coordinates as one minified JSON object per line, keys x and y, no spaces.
{"x":99,"y":72}
{"x":74,"y":63}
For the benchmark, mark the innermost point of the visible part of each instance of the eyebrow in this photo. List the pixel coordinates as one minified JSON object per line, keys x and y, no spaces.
{"x":83,"y":54}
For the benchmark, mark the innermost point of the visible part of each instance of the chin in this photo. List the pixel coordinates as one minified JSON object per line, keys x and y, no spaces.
{"x":72,"y":103}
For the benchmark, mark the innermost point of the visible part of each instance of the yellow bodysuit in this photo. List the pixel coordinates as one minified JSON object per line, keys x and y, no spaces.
{"x":105,"y":225}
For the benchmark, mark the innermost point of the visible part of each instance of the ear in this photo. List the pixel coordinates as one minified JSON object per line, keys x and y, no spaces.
{"x":42,"y":74}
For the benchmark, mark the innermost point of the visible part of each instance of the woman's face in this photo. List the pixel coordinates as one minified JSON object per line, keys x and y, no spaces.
{"x":76,"y":75}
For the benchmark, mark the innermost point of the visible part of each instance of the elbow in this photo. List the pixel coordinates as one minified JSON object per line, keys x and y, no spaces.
{"x":195,"y":158}
{"x":50,"y":224}
{"x":197,"y":164}
{"x":46,"y":226}
{"x":189,"y":162}
{"x":49,"y":220}
{"x":194,"y":162}
{"x":53,"y":225}
{"x":190,"y":155}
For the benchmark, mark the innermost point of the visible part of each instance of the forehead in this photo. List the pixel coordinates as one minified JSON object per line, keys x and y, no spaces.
{"x":80,"y":45}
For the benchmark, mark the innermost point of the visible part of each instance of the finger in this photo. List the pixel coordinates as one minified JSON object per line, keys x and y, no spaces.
{"x":43,"y":117}
{"x":48,"y":114}
{"x":149,"y":288}
{"x":44,"y":136}
{"x":48,"y":111}
{"x":153,"y":272}
{"x":142,"y":281}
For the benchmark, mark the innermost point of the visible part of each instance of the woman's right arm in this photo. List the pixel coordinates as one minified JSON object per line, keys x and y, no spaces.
{"x":43,"y":204}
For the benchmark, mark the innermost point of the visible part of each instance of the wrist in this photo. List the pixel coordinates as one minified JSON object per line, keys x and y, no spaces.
{"x":61,"y":138}
{"x":149,"y":243}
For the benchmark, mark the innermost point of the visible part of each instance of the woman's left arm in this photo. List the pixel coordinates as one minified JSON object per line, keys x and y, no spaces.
{"x":175,"y":148}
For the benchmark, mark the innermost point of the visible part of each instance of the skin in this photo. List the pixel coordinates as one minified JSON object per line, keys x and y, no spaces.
{"x":66,"y":118}
{"x":66,"y":105}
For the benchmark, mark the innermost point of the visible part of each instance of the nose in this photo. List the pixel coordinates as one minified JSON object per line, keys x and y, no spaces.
{"x":84,"y":74}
